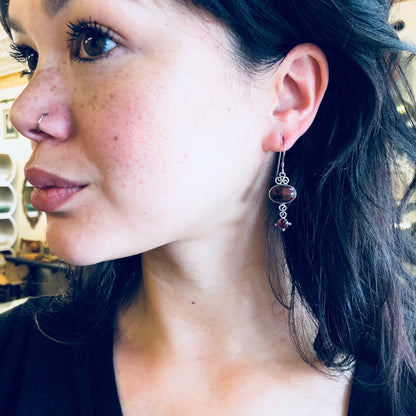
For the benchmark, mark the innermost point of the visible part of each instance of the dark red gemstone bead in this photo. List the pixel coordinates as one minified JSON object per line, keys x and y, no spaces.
{"x":282,"y":194}
{"x":283,"y":224}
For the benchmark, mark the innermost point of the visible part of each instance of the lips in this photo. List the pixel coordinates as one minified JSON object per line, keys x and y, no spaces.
{"x":50,"y":191}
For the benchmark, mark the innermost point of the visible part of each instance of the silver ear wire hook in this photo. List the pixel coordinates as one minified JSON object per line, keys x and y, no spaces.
{"x":281,"y":162}
{"x":282,"y":193}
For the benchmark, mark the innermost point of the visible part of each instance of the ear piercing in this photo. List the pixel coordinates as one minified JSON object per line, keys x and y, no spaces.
{"x":40,"y":121}
{"x":282,"y":193}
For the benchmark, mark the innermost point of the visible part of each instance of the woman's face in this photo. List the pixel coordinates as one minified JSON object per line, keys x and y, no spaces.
{"x":154,"y":133}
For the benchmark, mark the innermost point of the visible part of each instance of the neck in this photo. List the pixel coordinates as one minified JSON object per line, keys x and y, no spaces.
{"x":208,"y":295}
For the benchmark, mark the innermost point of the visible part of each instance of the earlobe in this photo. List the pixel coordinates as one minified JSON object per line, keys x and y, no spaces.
{"x":300,"y":82}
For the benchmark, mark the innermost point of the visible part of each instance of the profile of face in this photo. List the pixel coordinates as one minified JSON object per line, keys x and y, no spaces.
{"x":152,"y":132}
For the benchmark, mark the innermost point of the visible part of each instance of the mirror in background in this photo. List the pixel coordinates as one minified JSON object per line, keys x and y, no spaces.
{"x":31,"y":214}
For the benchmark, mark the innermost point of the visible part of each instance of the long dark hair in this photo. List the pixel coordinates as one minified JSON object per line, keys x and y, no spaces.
{"x":347,"y":254}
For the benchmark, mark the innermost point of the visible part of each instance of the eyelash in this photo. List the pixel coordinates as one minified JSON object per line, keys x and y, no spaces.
{"x":76,"y":32}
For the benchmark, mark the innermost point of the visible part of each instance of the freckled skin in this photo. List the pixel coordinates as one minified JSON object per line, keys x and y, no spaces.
{"x":164,"y":131}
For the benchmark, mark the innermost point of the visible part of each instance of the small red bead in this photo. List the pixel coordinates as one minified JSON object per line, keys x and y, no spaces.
{"x":283,"y":224}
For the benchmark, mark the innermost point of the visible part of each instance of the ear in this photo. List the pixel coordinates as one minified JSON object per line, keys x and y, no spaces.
{"x":299,"y":83}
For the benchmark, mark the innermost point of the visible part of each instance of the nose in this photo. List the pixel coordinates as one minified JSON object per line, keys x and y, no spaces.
{"x":42,"y":110}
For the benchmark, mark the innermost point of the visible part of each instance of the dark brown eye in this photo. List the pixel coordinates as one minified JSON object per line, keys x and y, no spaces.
{"x":95,"y":44}
{"x":32,"y":61}
{"x":26,"y":56}
{"x":89,"y":41}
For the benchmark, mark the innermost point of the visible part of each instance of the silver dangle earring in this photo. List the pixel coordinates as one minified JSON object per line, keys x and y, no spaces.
{"x":282,"y":193}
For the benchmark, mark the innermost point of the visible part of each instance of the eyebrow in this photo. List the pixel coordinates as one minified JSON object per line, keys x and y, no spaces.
{"x":13,"y":25}
{"x":52,"y":8}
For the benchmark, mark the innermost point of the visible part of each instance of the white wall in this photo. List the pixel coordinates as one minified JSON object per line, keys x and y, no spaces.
{"x":19,"y":150}
{"x":406,"y":11}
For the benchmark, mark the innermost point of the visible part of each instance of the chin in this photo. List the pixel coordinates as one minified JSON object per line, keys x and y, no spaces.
{"x":74,"y":256}
{"x":85,"y":252}
{"x":75,"y":251}
{"x":83,"y":246}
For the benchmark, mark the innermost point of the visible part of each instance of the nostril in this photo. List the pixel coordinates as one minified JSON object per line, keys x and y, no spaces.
{"x":37,"y":133}
{"x":36,"y":136}
{"x":38,"y":121}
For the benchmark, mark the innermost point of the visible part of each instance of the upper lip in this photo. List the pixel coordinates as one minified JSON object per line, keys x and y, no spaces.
{"x":40,"y":178}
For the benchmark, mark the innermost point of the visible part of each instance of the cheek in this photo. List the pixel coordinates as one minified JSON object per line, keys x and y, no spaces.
{"x":173,"y":132}
{"x":124,"y":127}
